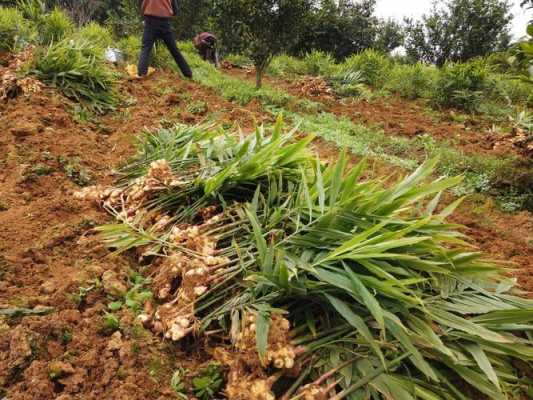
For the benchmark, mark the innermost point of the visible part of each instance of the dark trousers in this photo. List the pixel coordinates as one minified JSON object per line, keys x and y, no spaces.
{"x":160,"y":28}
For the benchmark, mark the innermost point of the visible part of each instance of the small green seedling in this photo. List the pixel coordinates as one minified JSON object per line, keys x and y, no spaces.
{"x":111,"y":322}
{"x":208,"y":382}
{"x":79,"y":298}
{"x":197,"y":107}
{"x":177,"y":384}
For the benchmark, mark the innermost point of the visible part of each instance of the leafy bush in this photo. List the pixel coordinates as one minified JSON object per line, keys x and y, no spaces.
{"x":96,"y":34}
{"x":461,"y":85}
{"x":14,"y":29}
{"x":131,"y":47}
{"x":374,"y":67}
{"x":77,"y":68}
{"x":318,"y":63}
{"x":126,"y":21}
{"x":32,"y":10}
{"x":286,"y":66}
{"x":412,"y":81}
{"x":513,"y":91}
{"x":348,"y":84}
{"x":54,"y":27}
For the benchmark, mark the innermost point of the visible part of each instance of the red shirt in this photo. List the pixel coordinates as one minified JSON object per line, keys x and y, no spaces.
{"x":157,"y":8}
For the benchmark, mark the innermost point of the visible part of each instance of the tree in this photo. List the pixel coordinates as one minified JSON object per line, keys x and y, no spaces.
{"x":339,"y":28}
{"x":193,"y":18}
{"x":459,"y":30}
{"x":390,"y":35}
{"x":260,"y":28}
{"x":84,"y":11}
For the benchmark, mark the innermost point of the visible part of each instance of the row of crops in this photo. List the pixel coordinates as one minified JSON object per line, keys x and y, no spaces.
{"x":319,"y":283}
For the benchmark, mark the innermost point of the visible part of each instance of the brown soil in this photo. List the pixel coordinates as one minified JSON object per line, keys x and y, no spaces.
{"x":48,"y":251}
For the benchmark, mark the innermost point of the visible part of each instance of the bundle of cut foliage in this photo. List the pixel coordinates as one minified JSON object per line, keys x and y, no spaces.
{"x":320,"y":283}
{"x":349,"y":84}
{"x":77,"y":68}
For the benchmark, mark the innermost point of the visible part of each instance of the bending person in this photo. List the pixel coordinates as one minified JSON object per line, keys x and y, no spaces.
{"x":206,"y":44}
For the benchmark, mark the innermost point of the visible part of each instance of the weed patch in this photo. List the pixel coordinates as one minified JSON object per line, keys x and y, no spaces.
{"x":75,"y":171}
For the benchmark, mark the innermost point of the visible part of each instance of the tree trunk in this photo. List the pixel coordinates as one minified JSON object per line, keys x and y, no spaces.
{"x":258,"y":76}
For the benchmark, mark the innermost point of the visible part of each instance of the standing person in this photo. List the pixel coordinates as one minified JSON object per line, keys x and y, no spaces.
{"x":157,"y":15}
{"x":206,"y":44}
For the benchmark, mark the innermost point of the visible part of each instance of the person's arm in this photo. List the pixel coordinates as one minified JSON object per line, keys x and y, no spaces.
{"x":140,"y":6}
{"x":175,"y":7}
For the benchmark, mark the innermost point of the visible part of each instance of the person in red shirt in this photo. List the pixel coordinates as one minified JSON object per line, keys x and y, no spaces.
{"x":157,"y":16}
{"x":206,"y":44}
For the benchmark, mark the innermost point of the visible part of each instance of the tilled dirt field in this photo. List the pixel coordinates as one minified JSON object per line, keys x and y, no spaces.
{"x":50,"y":257}
{"x":401,"y":117}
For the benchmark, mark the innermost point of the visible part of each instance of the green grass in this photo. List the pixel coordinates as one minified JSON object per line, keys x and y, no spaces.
{"x":482,"y":174}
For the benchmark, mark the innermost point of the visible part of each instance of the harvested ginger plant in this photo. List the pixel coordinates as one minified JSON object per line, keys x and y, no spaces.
{"x":310,"y":282}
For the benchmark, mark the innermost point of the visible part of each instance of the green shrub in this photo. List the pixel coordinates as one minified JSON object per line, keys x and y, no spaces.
{"x":32,"y":10}
{"x":374,"y":67}
{"x":501,"y":62}
{"x":54,"y":27}
{"x":126,"y":20}
{"x":462,"y":85}
{"x":412,"y":81}
{"x":78,"y":69}
{"x":318,"y":63}
{"x":513,"y":91}
{"x":97,"y":35}
{"x":14,"y":29}
{"x":131,"y":47}
{"x":286,"y":66}
{"x":349,"y":84}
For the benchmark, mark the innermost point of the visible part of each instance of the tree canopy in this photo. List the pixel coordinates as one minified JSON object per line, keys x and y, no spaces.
{"x":343,"y":28}
{"x":260,"y":28}
{"x":459,"y":30}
